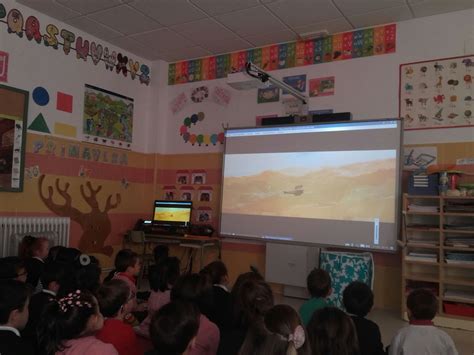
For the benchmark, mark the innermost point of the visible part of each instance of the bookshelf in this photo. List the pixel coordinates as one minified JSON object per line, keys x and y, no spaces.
{"x":438,"y":254}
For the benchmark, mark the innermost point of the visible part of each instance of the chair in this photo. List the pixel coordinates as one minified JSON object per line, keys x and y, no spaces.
{"x":137,"y":238}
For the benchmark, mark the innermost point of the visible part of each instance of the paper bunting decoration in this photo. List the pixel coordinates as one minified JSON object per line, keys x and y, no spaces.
{"x":341,"y":46}
{"x":200,"y":138}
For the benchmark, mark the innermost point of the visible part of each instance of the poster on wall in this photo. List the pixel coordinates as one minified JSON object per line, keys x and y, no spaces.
{"x":107,"y":118}
{"x":3,"y":67}
{"x":437,"y":93}
{"x":321,"y":86}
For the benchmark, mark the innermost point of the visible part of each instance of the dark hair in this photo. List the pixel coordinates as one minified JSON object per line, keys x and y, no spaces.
{"x":54,"y":252}
{"x":216,"y":270}
{"x":13,"y":295}
{"x":111,"y":296}
{"x":279,"y":324}
{"x":61,"y":324}
{"x":235,"y":294}
{"x":331,"y":331}
{"x":160,"y":252}
{"x":173,"y":327}
{"x":189,"y":288}
{"x":319,"y":283}
{"x":422,"y":304}
{"x":10,"y":267}
{"x":125,"y":258}
{"x":164,"y":274}
{"x":256,"y":298}
{"x":53,"y":272}
{"x":358,"y":298}
{"x":29,"y":245}
{"x":88,"y":277}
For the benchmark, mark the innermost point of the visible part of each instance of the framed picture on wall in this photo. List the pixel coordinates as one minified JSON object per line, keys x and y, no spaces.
{"x":13,"y":122}
{"x":437,"y":93}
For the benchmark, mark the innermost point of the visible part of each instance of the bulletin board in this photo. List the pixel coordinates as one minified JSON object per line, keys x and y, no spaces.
{"x":13,"y":120}
{"x":437,"y":93}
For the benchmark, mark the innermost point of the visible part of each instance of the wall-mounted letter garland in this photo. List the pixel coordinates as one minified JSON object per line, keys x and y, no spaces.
{"x":51,"y":36}
{"x":437,"y":93}
{"x":341,"y":46}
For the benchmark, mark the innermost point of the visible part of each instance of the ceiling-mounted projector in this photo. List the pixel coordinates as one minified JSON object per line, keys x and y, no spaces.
{"x":243,"y":81}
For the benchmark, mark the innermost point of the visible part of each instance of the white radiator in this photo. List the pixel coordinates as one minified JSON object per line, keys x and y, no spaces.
{"x":13,"y":229}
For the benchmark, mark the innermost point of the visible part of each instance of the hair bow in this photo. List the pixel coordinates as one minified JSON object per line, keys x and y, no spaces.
{"x":298,"y":337}
{"x":73,"y":300}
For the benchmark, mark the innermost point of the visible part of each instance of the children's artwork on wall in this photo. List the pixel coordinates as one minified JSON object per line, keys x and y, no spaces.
{"x":65,"y":130}
{"x":182,"y":177}
{"x":32,"y":172}
{"x":270,"y":94}
{"x":187,"y":193}
{"x":13,"y":120}
{"x":64,"y":102}
{"x":258,"y":119}
{"x":297,"y":82}
{"x":322,"y":86}
{"x":124,"y":182}
{"x":199,"y":138}
{"x":108,"y":117}
{"x":437,"y":93}
{"x":178,"y":103}
{"x":419,"y":158}
{"x":18,"y":24}
{"x":96,"y":225}
{"x":169,"y":192}
{"x":39,"y":124}
{"x":84,"y":172}
{"x":342,"y":46}
{"x":204,"y":214}
{"x":221,"y":96}
{"x":199,"y":94}
{"x":40,"y":96}
{"x":205,"y":194}
{"x":3,"y":67}
{"x":198,"y":177}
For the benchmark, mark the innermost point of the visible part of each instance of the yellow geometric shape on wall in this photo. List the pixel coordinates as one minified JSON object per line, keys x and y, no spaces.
{"x":66,"y":130}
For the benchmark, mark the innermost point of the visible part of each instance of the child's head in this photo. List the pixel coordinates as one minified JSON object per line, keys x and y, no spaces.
{"x":71,"y":317}
{"x":319,"y":283}
{"x":179,"y":338}
{"x":422,"y":305}
{"x":33,"y":247}
{"x":189,"y":288}
{"x":255,"y":299}
{"x":87,"y":273}
{"x":52,"y":277}
{"x":160,"y":252}
{"x":12,"y":268}
{"x":358,"y":298}
{"x":331,"y":331}
{"x":14,"y":299}
{"x":164,"y":275}
{"x":282,"y":334}
{"x":217,"y":272}
{"x":114,"y":299}
{"x":127,"y":261}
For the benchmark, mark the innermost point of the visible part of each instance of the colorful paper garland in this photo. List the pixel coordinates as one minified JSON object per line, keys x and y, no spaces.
{"x":199,"y":138}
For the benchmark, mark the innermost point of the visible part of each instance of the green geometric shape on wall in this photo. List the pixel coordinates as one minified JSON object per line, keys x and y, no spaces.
{"x":39,"y":124}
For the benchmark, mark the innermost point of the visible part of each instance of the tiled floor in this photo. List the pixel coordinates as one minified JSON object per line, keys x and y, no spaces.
{"x":389,"y":322}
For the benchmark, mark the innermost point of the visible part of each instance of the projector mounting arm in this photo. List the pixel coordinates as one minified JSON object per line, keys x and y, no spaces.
{"x":264,"y":77}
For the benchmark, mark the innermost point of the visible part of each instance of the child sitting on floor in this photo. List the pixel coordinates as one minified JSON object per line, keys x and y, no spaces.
{"x":12,"y":268}
{"x":421,"y":336}
{"x":358,"y":300}
{"x":14,"y":299}
{"x":115,"y":303}
{"x":34,"y":251}
{"x":181,"y":337}
{"x":69,"y":325}
{"x":319,"y":287}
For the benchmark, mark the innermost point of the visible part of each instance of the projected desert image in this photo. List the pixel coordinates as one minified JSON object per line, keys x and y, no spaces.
{"x":342,"y":185}
{"x":172,"y":214}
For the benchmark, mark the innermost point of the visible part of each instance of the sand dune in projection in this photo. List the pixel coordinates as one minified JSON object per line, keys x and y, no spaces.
{"x":356,"y":192}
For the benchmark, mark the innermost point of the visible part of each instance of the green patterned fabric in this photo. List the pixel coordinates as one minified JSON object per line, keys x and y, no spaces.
{"x":345,"y":268}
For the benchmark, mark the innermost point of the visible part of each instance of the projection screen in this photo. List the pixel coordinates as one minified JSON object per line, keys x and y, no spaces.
{"x":335,"y":184}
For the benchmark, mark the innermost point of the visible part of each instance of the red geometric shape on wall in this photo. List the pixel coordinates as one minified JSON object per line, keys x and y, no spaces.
{"x":64,"y":102}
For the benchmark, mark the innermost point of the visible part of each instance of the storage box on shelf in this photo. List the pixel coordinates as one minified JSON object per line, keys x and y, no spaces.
{"x":438,"y":253}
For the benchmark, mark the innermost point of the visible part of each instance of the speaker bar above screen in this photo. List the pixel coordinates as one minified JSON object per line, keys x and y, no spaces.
{"x":334,"y":184}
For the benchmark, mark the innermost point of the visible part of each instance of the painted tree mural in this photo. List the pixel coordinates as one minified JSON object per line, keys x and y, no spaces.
{"x":95,"y":224}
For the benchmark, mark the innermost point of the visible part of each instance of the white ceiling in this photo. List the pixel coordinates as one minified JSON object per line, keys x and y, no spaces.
{"x":174,"y":30}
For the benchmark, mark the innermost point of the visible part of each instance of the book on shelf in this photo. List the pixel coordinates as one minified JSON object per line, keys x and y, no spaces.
{"x":462,"y":242}
{"x":424,"y":241}
{"x":422,"y":208}
{"x":459,"y":294}
{"x":416,"y":256}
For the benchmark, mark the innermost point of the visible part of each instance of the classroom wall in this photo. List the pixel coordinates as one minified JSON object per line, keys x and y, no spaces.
{"x":63,"y":155}
{"x":367,"y":87}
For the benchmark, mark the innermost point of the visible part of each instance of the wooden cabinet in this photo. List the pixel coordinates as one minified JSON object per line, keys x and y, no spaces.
{"x":438,"y":253}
